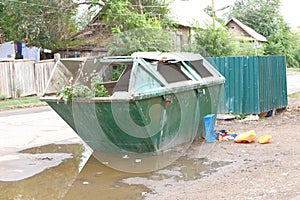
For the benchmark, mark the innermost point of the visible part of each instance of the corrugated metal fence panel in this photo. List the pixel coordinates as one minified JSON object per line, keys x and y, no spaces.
{"x":250,"y":85}
{"x":222,"y":68}
{"x":254,"y":84}
{"x":43,"y":71}
{"x":232,"y":97}
{"x":6,"y":87}
{"x":272,"y":80}
{"x":24,"y":77}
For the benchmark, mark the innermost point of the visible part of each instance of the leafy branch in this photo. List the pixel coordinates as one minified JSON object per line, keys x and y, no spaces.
{"x":77,"y":90}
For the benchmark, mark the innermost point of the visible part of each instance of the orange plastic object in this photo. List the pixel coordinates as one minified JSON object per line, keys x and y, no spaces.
{"x":245,"y":137}
{"x":264,"y":139}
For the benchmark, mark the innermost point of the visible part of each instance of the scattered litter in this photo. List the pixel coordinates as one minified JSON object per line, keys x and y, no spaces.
{"x":125,"y":156}
{"x":144,"y":193}
{"x":225,"y":135}
{"x":267,"y":114}
{"x":264,"y":139}
{"x":225,"y":117}
{"x":252,"y":118}
{"x":85,"y":183}
{"x":246,"y":137}
{"x":138,"y":160}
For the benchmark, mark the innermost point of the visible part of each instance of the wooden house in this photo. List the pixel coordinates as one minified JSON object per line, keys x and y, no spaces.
{"x":186,"y":14}
{"x":243,"y":32}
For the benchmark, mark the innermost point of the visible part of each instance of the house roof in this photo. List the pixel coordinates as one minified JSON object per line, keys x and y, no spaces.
{"x":248,"y":30}
{"x":190,"y":13}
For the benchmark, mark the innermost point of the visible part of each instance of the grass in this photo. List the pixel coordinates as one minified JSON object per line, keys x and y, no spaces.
{"x":293,"y":69}
{"x":295,"y":95}
{"x":22,"y":102}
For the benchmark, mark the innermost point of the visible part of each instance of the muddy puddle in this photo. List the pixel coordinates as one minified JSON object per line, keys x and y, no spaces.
{"x":52,"y":183}
{"x":95,"y":180}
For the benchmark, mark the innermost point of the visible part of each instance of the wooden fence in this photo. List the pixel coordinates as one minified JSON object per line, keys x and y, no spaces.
{"x":20,"y":78}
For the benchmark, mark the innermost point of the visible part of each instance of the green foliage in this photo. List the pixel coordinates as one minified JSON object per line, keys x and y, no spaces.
{"x":65,"y":93}
{"x":214,"y":41}
{"x":267,"y":21}
{"x":285,"y":43}
{"x":116,"y":72}
{"x":43,"y":23}
{"x":240,"y":116}
{"x":78,"y":90}
{"x":208,"y":10}
{"x":97,"y":88}
{"x":136,"y":30}
{"x":246,"y":48}
{"x":122,"y":15}
{"x":295,"y":95}
{"x":144,"y":39}
{"x":261,"y":15}
{"x":21,"y":102}
{"x":2,"y":97}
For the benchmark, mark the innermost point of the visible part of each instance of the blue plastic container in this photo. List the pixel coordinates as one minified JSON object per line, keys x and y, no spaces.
{"x":209,"y":124}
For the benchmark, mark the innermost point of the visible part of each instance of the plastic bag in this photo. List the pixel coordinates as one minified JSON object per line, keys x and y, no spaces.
{"x":264,"y":139}
{"x":245,"y":137}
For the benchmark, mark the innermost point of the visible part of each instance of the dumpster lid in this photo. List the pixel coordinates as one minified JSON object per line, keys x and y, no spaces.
{"x":179,"y":56}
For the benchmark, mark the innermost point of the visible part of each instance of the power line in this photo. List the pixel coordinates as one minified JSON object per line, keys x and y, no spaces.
{"x":40,"y":5}
{"x":47,"y":6}
{"x":59,"y":10}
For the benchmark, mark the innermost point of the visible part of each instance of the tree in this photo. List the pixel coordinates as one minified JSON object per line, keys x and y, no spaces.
{"x":213,"y":41}
{"x":261,"y":15}
{"x":136,"y":26}
{"x":142,"y":39}
{"x":267,"y":21}
{"x":122,"y":15}
{"x":40,"y":23}
{"x":285,"y":43}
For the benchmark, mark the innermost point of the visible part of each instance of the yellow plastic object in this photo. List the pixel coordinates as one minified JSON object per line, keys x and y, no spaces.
{"x":245,"y":137}
{"x":264,"y":139}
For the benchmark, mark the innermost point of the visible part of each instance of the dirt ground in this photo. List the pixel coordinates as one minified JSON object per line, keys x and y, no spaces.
{"x":258,"y":171}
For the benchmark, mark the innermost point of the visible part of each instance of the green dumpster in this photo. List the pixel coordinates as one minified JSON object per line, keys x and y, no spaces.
{"x":155,"y":105}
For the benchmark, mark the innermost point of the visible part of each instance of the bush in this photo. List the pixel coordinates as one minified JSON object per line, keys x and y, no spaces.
{"x":143,"y":39}
{"x":2,"y":97}
{"x":214,"y":41}
{"x":77,"y":90}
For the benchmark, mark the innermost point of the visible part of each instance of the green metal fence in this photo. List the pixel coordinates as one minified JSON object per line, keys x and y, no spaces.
{"x":254,"y":84}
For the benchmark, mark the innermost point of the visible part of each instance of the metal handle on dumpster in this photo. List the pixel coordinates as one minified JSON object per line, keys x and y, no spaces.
{"x":167,"y":101}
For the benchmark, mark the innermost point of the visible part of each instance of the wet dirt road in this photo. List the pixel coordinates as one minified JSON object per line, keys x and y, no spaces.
{"x":42,"y":158}
{"x":293,"y":82}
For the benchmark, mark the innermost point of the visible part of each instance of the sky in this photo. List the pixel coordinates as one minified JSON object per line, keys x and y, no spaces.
{"x":291,"y":13}
{"x":289,"y":10}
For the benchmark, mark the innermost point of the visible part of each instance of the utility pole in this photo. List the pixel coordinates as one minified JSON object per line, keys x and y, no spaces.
{"x":213,"y":8}
{"x":213,"y":12}
{"x":138,"y":2}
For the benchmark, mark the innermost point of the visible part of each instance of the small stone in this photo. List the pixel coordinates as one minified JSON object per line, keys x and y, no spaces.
{"x":85,"y":183}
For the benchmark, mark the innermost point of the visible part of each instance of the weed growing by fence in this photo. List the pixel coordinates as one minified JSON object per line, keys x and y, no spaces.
{"x":77,"y":90}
